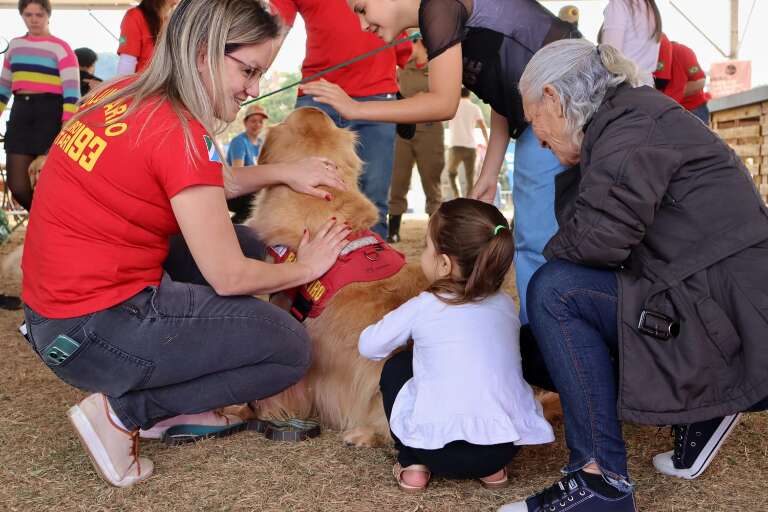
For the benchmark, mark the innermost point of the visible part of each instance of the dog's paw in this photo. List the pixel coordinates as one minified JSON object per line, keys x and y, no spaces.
{"x":553,"y":411}
{"x":362,"y":437}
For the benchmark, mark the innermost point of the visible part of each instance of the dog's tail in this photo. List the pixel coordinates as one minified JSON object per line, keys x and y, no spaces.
{"x":11,"y":266}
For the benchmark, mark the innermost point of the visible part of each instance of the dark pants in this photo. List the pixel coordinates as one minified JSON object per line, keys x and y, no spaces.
{"x":241,"y":207}
{"x":458,"y":459}
{"x":179,"y":348}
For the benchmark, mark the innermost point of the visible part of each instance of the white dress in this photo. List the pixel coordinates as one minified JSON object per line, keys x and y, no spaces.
{"x":467,"y":375}
{"x":630,"y":29}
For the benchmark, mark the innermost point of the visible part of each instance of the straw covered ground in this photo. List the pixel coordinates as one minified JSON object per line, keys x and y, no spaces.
{"x":42,"y":466}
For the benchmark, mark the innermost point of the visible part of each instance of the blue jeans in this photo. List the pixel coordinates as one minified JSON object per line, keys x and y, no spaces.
{"x":573,"y":314}
{"x":533,"y":195}
{"x":376,"y":148}
{"x":702,"y":112}
{"x":179,"y":348}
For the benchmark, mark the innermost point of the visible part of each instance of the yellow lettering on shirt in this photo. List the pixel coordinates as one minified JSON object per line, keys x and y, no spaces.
{"x":88,"y":160}
{"x":113,"y":130}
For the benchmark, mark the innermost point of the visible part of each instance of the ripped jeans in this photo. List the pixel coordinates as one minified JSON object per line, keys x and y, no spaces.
{"x":572,"y":311}
{"x":179,"y":348}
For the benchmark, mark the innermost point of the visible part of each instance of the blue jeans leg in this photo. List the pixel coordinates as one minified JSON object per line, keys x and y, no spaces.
{"x":573,"y":316}
{"x":533,"y":195}
{"x":376,"y":147}
{"x":702,"y":112}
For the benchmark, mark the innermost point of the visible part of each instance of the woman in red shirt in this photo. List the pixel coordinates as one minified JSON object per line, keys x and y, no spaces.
{"x":116,"y":302}
{"x":139,"y":31}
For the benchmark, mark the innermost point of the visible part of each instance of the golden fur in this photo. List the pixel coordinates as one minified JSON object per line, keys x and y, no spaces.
{"x":341,"y":387}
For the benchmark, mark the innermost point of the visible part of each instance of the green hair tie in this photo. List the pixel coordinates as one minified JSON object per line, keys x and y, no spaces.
{"x":499,"y":228}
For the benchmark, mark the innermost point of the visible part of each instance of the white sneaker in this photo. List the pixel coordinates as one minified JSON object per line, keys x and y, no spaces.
{"x":113,"y":450}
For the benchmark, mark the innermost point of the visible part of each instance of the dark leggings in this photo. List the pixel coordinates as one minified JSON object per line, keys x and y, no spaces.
{"x":458,"y":459}
{"x":17,"y":177}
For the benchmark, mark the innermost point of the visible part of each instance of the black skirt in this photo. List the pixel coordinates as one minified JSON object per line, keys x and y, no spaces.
{"x":34,"y":122}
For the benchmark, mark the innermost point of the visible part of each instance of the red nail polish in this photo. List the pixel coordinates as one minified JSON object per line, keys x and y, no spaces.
{"x":328,"y":197}
{"x":333,"y":218}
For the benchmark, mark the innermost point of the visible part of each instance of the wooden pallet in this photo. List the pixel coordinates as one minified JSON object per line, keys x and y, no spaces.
{"x":745,"y":129}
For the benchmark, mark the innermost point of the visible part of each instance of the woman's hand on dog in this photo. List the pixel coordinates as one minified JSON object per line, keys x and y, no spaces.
{"x":308,"y":174}
{"x":320,"y":252}
{"x":333,"y":95}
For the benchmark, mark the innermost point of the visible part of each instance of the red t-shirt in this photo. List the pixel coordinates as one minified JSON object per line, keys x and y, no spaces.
{"x":685,"y":68}
{"x":334,"y":36}
{"x":135,"y":38}
{"x":99,"y":232}
{"x":664,"y":64}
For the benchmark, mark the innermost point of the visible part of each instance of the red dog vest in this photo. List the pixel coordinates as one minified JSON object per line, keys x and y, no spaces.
{"x":367,"y":257}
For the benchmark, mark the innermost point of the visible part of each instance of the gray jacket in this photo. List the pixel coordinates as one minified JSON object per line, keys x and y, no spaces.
{"x":668,"y":205}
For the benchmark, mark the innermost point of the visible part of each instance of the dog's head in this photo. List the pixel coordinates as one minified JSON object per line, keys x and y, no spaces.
{"x":279,"y":214}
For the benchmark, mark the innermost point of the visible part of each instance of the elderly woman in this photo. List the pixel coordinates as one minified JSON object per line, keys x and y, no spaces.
{"x":653,"y":306}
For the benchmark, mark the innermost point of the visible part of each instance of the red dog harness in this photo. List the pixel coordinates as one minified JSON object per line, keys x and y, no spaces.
{"x":367,"y":257}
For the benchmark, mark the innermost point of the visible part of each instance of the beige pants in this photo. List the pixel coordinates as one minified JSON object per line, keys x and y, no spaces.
{"x":457,"y":155}
{"x":426,"y":150}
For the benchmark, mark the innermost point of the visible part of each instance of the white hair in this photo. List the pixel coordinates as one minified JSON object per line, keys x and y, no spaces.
{"x":581,"y":73}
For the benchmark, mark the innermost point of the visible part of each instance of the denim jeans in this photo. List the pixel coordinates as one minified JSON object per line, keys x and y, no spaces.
{"x":179,"y":348}
{"x":572,"y":311}
{"x":533,"y":195}
{"x":376,"y":147}
{"x":702,"y":112}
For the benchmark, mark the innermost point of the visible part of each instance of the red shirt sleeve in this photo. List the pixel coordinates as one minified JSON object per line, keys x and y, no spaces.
{"x":403,"y":51}
{"x":177,"y":171}
{"x":692,"y":68}
{"x":664,"y":65}
{"x":131,"y":33}
{"x":287,"y":9}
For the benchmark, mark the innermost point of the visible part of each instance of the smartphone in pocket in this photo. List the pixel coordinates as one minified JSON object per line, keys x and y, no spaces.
{"x":59,"y":350}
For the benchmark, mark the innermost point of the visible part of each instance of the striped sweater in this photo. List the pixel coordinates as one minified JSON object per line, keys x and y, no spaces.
{"x":41,"y":64}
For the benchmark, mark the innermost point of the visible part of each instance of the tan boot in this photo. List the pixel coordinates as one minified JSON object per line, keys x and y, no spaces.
{"x":113,"y":450}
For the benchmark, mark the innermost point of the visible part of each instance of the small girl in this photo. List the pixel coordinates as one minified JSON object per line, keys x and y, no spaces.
{"x":457,"y":403}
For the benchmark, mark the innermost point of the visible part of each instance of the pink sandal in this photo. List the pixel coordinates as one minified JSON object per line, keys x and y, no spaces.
{"x":495,"y":484}
{"x":397,"y":471}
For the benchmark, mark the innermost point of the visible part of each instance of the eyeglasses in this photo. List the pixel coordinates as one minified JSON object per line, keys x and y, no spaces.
{"x":250,"y":73}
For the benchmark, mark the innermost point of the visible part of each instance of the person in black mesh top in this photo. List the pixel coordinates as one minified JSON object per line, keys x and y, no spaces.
{"x":484,"y":44}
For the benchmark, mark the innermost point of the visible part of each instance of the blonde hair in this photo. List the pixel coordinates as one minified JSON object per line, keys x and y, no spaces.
{"x":581,"y":73}
{"x":217,"y":27}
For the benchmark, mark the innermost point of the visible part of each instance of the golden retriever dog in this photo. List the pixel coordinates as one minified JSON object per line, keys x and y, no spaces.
{"x":341,"y":387}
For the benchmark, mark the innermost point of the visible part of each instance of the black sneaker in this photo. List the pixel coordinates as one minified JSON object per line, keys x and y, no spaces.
{"x":571,"y":494}
{"x":695,"y":447}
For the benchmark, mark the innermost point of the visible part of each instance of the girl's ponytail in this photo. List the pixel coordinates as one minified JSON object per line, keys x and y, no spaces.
{"x":492,"y":264}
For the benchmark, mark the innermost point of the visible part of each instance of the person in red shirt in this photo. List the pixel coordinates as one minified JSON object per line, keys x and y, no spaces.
{"x":686,"y":81}
{"x":139,"y":31}
{"x":334,"y":36}
{"x":116,"y":302}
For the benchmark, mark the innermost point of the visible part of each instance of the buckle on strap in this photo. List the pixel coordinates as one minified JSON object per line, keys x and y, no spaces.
{"x":658,"y":325}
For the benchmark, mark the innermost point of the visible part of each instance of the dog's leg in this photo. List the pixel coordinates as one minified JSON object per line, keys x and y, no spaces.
{"x":553,"y":410}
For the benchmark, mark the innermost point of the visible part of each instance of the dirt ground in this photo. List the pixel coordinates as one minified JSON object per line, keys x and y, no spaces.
{"x":43,"y":467}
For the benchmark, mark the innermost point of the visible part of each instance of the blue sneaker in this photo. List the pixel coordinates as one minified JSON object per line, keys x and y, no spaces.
{"x":571,"y":494}
{"x":695,"y":447}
